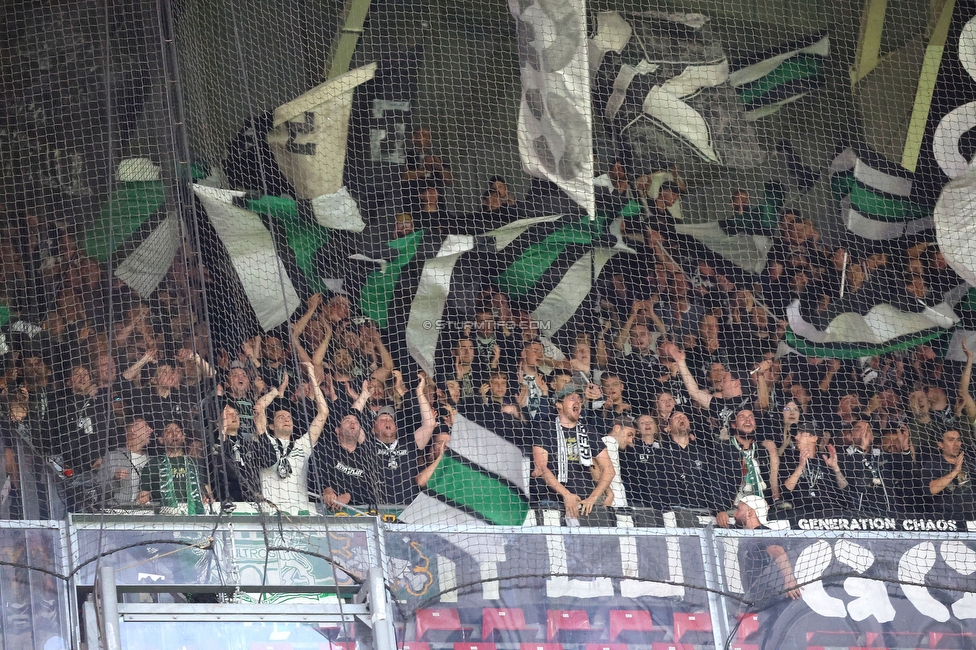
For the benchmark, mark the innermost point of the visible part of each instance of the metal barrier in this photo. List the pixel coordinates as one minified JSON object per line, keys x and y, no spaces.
{"x":361,"y":583}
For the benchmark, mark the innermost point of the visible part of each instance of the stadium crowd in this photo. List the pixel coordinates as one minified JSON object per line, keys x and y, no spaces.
{"x":670,"y":394}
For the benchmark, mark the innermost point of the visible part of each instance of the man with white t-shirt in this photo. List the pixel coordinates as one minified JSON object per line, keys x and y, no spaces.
{"x":282,"y":458}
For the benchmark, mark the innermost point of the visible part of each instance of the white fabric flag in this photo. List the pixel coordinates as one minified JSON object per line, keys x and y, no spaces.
{"x":252,"y":252}
{"x":555,"y":117}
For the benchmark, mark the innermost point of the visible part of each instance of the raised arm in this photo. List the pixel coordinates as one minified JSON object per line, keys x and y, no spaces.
{"x":386,"y":360}
{"x":602,"y":355}
{"x":624,"y":333}
{"x":298,"y":328}
{"x":658,"y":323}
{"x":260,"y":417}
{"x":322,"y":414}
{"x":762,"y":401}
{"x":132,"y":372}
{"x":702,"y":397}
{"x":318,"y":356}
{"x":968,"y":404}
{"x":833,"y":365}
{"x":363,"y":398}
{"x":204,"y":369}
{"x":313,"y":304}
{"x":428,"y":420}
{"x":831,"y":459}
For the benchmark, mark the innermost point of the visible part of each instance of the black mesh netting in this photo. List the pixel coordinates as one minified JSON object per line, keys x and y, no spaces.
{"x":544,"y":262}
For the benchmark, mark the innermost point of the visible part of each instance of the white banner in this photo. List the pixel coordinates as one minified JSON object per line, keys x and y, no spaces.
{"x":555,"y":118}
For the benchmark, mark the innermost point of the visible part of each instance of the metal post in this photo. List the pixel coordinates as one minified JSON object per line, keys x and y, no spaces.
{"x":716,"y":601}
{"x":384,"y":636}
{"x":108,"y":600}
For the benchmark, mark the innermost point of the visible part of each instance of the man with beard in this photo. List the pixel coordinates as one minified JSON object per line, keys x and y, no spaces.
{"x":721,"y":404}
{"x":742,"y":466}
{"x":949,"y":478}
{"x":283,"y":459}
{"x":620,"y":438}
{"x":172,"y":479}
{"x":862,"y":464}
{"x":685,"y":468}
{"x":565,"y":443}
{"x":343,"y":468}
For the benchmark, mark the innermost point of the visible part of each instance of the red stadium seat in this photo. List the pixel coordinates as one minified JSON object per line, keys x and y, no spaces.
{"x":630,"y":620}
{"x":667,"y":645}
{"x":694,"y":628}
{"x":951,"y":640}
{"x":748,"y":625}
{"x":743,"y":646}
{"x":505,"y":620}
{"x":606,"y":646}
{"x":569,"y":620}
{"x":440,"y":620}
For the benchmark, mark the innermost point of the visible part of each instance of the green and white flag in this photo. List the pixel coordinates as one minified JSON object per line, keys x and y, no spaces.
{"x":766,"y":82}
{"x":261,"y":272}
{"x":878,"y":199}
{"x":133,"y":229}
{"x":481,"y":479}
{"x":544,"y":265}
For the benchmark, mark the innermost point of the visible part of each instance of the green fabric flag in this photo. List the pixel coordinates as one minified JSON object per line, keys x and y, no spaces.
{"x":467,"y":486}
{"x":798,"y":68}
{"x":304,"y":237}
{"x":858,"y":350}
{"x":874,"y":204}
{"x":524,"y":273}
{"x":378,"y":290}
{"x":131,"y":205}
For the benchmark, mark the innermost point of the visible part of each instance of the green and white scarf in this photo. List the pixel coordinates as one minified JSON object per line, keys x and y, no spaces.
{"x":753,"y":482}
{"x":167,"y":487}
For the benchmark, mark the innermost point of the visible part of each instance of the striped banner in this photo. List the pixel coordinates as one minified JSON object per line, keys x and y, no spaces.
{"x":877,"y":198}
{"x":481,"y":479}
{"x":134,"y":230}
{"x":768,"y":81}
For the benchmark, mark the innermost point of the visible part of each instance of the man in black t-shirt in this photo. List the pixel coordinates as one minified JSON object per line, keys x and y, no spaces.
{"x":685,"y":467}
{"x":399,"y":461}
{"x":563,"y":454}
{"x":948,"y":476}
{"x":342,"y":467}
{"x":721,"y":405}
{"x":815,"y":485}
{"x":862,"y":464}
